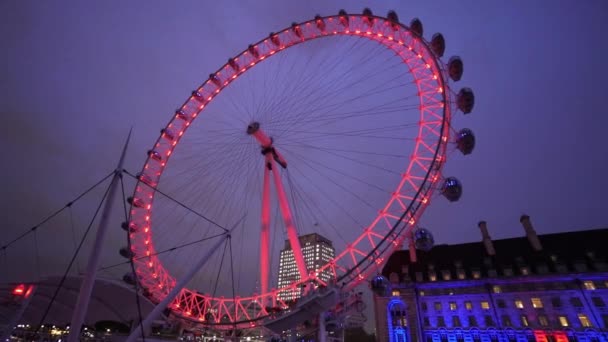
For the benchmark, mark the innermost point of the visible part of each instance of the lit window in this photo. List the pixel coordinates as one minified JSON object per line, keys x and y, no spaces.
{"x":446,"y":275}
{"x":461,"y":275}
{"x":563,"y":321}
{"x":485,"y":305}
{"x":585,"y":322}
{"x":476,"y":274}
{"x":525,"y":270}
{"x":396,"y":293}
{"x":524,"y":321}
{"x":453,"y":306}
{"x":496,"y":289}
{"x":437,"y":306}
{"x":432,"y":276}
{"x":421,"y":293}
{"x":543,"y":321}
{"x":537,"y":303}
{"x":589,"y":285}
{"x":468,"y":305}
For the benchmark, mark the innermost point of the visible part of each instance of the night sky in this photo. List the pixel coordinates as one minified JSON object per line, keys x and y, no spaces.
{"x":75,"y":77}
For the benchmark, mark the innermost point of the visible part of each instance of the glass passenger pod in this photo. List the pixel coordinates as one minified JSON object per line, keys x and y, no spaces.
{"x":465,"y":100}
{"x":452,"y":189}
{"x":380,"y":285}
{"x":423,"y":239}
{"x":393,"y":19}
{"x":127,"y":253}
{"x":416,"y":27}
{"x":455,"y":68}
{"x":438,"y":44}
{"x":465,"y":141}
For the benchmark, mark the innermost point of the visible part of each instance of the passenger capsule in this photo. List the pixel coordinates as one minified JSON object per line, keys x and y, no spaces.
{"x":367,"y":17}
{"x":136,"y":202}
{"x":154,"y":155}
{"x":423,"y":239}
{"x":452,"y":189}
{"x":125,"y":252}
{"x":274,"y":38}
{"x":128,"y":278}
{"x":145,"y":179}
{"x":198,"y":96}
{"x":455,"y":68}
{"x":180,"y":114}
{"x":465,"y":100}
{"x":215,"y":80}
{"x":380,"y":286}
{"x":343,"y":18}
{"x":167,"y":134}
{"x":233,"y":64}
{"x":131,"y":227}
{"x":320,"y":23}
{"x":393,"y":19}
{"x":416,"y":27}
{"x":438,"y":44}
{"x":297,"y":30}
{"x":253,"y":50}
{"x":465,"y":141}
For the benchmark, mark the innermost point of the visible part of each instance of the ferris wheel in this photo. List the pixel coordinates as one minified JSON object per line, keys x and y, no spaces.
{"x":336,"y":129}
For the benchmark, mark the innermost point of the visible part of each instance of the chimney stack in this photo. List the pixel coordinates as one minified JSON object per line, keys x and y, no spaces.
{"x":485,"y":236}
{"x":530,"y":233}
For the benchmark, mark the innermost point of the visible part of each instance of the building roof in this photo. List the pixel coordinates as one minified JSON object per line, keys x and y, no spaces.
{"x":111,"y":300}
{"x":561,"y":252}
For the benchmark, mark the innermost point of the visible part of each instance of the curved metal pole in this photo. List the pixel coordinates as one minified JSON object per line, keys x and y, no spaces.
{"x":158,"y":309}
{"x":86,"y":288}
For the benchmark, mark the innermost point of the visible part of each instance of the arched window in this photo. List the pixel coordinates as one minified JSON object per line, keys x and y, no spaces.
{"x":397,"y":321}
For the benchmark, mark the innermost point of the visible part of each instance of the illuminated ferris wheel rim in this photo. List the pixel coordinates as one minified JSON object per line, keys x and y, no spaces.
{"x":424,"y":168}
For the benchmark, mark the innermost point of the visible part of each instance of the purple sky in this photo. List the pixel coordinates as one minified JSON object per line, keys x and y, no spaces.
{"x":76,"y":76}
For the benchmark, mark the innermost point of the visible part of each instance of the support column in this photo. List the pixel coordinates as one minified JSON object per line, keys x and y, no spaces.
{"x":265,"y":233}
{"x":292,"y":234}
{"x":322,"y":332}
{"x":158,"y":309}
{"x":86,"y":288}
